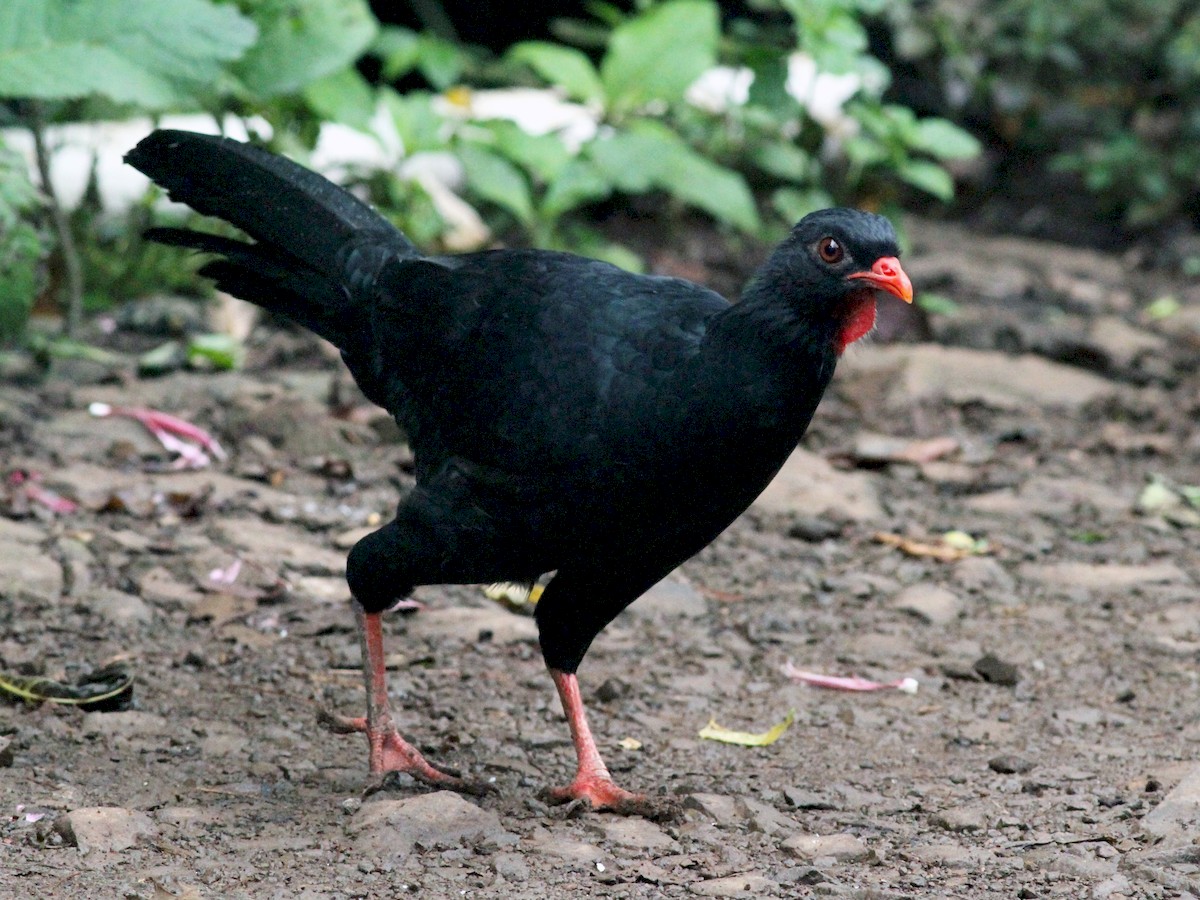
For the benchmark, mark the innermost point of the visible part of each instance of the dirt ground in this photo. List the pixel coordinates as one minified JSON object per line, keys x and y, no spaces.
{"x":1051,"y":750}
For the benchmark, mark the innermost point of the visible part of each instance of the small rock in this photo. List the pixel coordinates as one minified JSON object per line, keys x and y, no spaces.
{"x":751,"y":884}
{"x":809,"y":485}
{"x":6,"y":752}
{"x":511,"y":866}
{"x":126,"y":723}
{"x":1176,"y":819}
{"x":1008,"y":764}
{"x":469,"y":623}
{"x":930,"y":603}
{"x":806,"y":799}
{"x":844,"y":848}
{"x":950,"y":856}
{"x":813,"y":529}
{"x":1104,"y":576}
{"x":104,"y":829}
{"x":393,"y":828}
{"x":671,"y":598}
{"x":763,"y":817}
{"x":121,"y":608}
{"x":960,"y":819}
{"x":25,"y":571}
{"x":981,"y":575}
{"x":994,"y":670}
{"x":639,"y":834}
{"x":716,"y":808}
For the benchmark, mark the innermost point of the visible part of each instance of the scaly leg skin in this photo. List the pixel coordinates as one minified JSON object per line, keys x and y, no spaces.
{"x":593,"y":784}
{"x":389,"y":752}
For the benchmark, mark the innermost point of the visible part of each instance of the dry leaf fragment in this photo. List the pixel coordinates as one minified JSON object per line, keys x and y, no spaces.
{"x":953,"y":545}
{"x":714,"y":732}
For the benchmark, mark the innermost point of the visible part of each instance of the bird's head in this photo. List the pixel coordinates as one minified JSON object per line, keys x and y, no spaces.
{"x":832,"y":263}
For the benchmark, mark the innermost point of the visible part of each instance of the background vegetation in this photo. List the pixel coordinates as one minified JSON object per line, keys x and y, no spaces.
{"x":751,"y":114}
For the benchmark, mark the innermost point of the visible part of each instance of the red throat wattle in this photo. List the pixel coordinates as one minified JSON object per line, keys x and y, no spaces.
{"x":858,"y":318}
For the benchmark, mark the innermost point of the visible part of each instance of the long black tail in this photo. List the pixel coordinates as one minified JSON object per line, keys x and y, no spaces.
{"x":317,"y":247}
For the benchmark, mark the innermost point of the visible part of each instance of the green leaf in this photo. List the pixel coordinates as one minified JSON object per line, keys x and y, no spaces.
{"x":440,"y":61}
{"x":793,"y":204}
{"x":345,"y":96}
{"x":781,"y":159}
{"x":154,"y":54}
{"x":929,"y":177}
{"x":658,"y":54}
{"x":579,"y":183}
{"x":543,"y":155}
{"x":398,"y":49}
{"x":649,"y":155}
{"x":494,"y":178}
{"x":419,"y":125}
{"x":720,"y":192}
{"x":565,"y":67}
{"x":945,"y":140}
{"x":303,"y":40}
{"x":214,"y":351}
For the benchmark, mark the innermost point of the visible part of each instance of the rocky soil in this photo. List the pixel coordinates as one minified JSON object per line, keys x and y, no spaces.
{"x":1051,"y":750}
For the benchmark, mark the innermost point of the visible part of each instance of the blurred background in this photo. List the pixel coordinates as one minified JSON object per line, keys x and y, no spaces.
{"x":681,"y":136}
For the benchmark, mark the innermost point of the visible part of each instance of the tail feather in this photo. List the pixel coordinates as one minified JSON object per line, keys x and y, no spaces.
{"x":316,"y":243}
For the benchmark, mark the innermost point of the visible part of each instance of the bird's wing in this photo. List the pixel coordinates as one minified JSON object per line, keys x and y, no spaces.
{"x":527,"y":362}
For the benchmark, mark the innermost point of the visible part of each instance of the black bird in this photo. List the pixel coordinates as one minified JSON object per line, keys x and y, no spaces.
{"x":566,"y":416}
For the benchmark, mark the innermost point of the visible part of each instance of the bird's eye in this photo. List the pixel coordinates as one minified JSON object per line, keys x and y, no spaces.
{"x":830,"y":250}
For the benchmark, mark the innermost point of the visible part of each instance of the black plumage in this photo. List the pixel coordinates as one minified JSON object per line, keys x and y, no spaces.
{"x":566,"y":415}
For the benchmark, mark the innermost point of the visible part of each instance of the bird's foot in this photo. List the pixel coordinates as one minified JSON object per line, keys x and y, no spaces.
{"x":390,"y":753}
{"x":601,"y":793}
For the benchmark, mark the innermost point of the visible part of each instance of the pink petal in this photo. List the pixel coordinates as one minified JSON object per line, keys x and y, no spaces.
{"x":847,"y":683}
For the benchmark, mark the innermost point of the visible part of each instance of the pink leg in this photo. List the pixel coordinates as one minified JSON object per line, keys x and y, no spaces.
{"x":592,"y":783}
{"x":389,"y":752}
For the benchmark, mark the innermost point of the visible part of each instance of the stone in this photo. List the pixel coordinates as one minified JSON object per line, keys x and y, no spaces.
{"x":392,"y":829}
{"x":121,"y":608}
{"x":1176,"y":819}
{"x":671,"y":598}
{"x":930,"y":603}
{"x":808,"y":485}
{"x":105,"y":829}
{"x":474,"y":623}
{"x":25,"y":571}
{"x":931,"y":371}
{"x":1103,"y":576}
{"x":994,"y":670}
{"x":716,"y":808}
{"x":279,"y":545}
{"x":1008,"y":764}
{"x":639,"y":834}
{"x":127,"y":723}
{"x":845,"y":848}
{"x":960,"y":818}
{"x":1122,"y":343}
{"x":750,"y":884}
{"x":950,"y":856}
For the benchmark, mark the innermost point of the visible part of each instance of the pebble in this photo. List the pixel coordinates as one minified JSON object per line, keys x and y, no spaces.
{"x":750,"y":884}
{"x":930,"y":603}
{"x":715,"y":808}
{"x":639,"y":834}
{"x":25,"y":571}
{"x":994,"y":670}
{"x":1176,"y":819}
{"x":394,"y":828}
{"x":120,"y":608}
{"x":844,"y":848}
{"x":1007,"y":764}
{"x":105,"y":829}
{"x":809,"y":485}
{"x":960,"y":819}
{"x":950,"y":856}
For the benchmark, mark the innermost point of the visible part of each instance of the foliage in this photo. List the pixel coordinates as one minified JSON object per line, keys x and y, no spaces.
{"x":23,"y":245}
{"x":1109,"y":89}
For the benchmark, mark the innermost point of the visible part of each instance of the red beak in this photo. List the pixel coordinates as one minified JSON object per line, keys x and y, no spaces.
{"x":887,"y":275}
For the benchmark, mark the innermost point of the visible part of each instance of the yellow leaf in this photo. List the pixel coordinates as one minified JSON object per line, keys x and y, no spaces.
{"x":714,"y":732}
{"x":630,"y":744}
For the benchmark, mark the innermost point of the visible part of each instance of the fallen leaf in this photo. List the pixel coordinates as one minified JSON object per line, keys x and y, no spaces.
{"x":714,"y":732}
{"x":954,"y":545}
{"x":630,"y":744}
